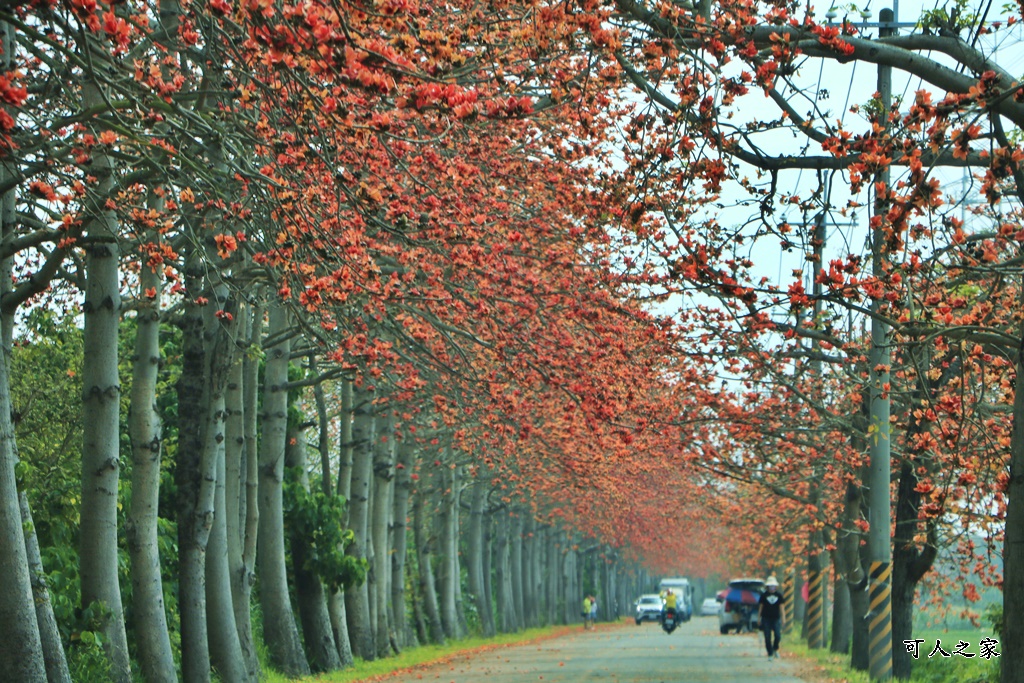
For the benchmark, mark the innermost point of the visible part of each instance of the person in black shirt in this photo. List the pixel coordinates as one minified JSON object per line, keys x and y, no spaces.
{"x":771,"y":612}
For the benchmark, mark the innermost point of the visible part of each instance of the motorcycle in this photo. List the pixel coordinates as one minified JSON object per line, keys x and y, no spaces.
{"x":670,"y":620}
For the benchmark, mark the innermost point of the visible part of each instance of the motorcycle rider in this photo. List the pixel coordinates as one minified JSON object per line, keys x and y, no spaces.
{"x":671,"y":602}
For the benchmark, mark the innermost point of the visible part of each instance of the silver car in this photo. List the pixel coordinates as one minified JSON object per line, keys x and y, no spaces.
{"x":709,"y":607}
{"x":648,"y":608}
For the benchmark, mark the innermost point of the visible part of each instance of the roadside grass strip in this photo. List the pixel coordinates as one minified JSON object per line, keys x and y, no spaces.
{"x":821,"y":666}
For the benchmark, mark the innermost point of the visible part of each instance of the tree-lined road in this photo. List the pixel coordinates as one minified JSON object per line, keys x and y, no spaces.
{"x":630,"y":654}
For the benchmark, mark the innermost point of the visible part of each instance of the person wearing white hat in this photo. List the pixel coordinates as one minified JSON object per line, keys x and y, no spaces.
{"x":771,"y":612}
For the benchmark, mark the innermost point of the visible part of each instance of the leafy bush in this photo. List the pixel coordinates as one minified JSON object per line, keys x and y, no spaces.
{"x":317,"y":519}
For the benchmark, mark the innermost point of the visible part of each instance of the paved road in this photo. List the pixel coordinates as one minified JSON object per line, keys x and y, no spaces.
{"x":621,"y":654}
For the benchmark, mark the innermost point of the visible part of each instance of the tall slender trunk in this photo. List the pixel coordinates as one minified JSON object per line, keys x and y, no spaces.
{"x":144,"y":428}
{"x":225,"y":649}
{"x":555,"y":594}
{"x":475,"y":554}
{"x":279,"y":629}
{"x":206,"y":356}
{"x":194,"y":487}
{"x":460,"y":608}
{"x":516,"y":559}
{"x":243,"y":568}
{"x":49,"y":635}
{"x":860,"y":605}
{"x":570,"y":580}
{"x":223,"y":640}
{"x":383,"y":479}
{"x":850,"y":568}
{"x":336,"y":606}
{"x":21,"y":656}
{"x":488,"y":560}
{"x":335,"y":601}
{"x":529,"y":572}
{"x":604,"y":594}
{"x":424,"y":565}
{"x":101,"y":456}
{"x":371,"y":577}
{"x":357,"y":598}
{"x":235,"y":504}
{"x":503,"y":573}
{"x":403,"y":485}
{"x":909,"y":564}
{"x":21,"y":652}
{"x":50,"y":641}
{"x":449,"y":570}
{"x":419,"y":619}
{"x":309,"y":591}
{"x":842,"y":617}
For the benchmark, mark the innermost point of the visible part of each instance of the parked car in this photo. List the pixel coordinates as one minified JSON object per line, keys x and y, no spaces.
{"x":648,"y":608}
{"x":709,"y":607}
{"x":738,"y":610}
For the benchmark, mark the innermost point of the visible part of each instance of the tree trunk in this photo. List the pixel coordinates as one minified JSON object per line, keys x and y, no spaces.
{"x":383,"y":507}
{"x":21,"y":652}
{"x":850,"y":567}
{"x":842,"y":618}
{"x":860,"y":606}
{"x":419,"y":620}
{"x":488,"y":551}
{"x":1012,"y":632}
{"x":225,"y":649}
{"x":909,"y":565}
{"x":206,"y":357}
{"x":503,"y":573}
{"x":403,"y":485}
{"x":144,"y":428}
{"x":799,"y":604}
{"x":345,"y":448}
{"x":853,"y":555}
{"x":309,"y":591}
{"x":460,"y":607}
{"x":529,"y":572}
{"x":50,"y":642}
{"x":339,"y":625}
{"x":516,"y":559}
{"x":21,"y":656}
{"x":243,"y":566}
{"x":449,"y":570}
{"x":336,"y":607}
{"x":101,"y":410}
{"x":573,"y":597}
{"x":475,"y":554}
{"x":279,"y":629}
{"x":424,"y":560}
{"x":53,"y":648}
{"x":555,"y":597}
{"x":605,"y":593}
{"x":357,"y":598}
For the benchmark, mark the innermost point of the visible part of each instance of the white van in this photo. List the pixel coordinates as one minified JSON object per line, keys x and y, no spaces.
{"x":684,"y":595}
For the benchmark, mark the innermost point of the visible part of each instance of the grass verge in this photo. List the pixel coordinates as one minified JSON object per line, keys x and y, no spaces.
{"x":822,"y":666}
{"x":425,"y":655}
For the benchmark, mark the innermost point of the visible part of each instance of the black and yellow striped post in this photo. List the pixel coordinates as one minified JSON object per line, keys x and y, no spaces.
{"x":787,"y":600}
{"x":815,"y":630}
{"x":880,"y":622}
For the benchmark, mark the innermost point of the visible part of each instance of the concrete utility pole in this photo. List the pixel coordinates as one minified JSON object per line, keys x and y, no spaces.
{"x":879,"y":542}
{"x":815,"y":567}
